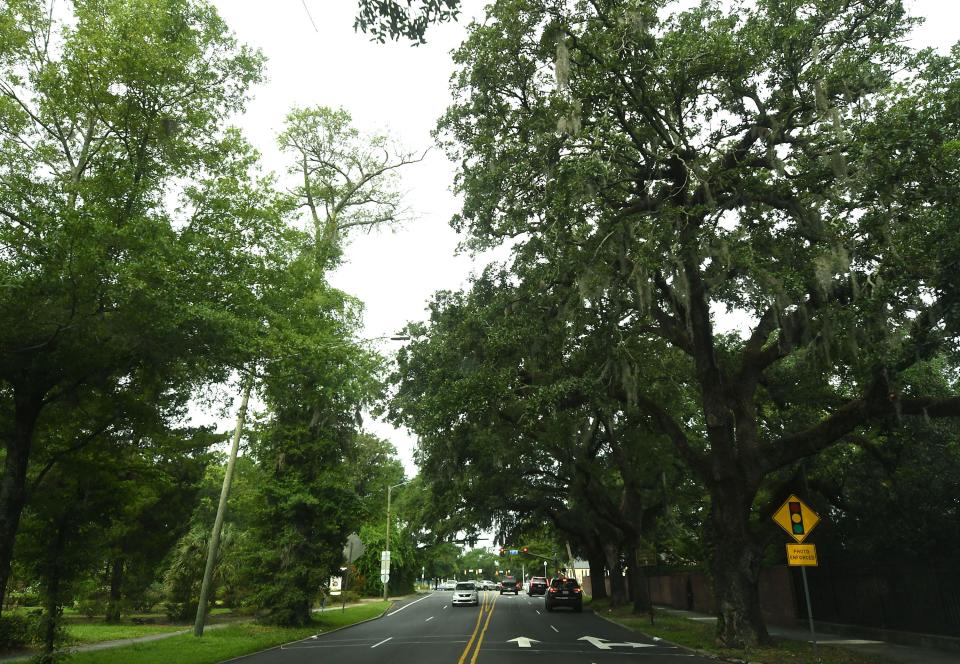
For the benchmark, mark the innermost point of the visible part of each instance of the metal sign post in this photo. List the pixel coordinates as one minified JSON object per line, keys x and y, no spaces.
{"x":798,"y":520}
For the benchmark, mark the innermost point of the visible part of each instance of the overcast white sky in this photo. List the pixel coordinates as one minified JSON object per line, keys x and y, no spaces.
{"x":404,"y":90}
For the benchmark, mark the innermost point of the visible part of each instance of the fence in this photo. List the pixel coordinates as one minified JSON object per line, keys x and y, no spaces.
{"x":892,"y":597}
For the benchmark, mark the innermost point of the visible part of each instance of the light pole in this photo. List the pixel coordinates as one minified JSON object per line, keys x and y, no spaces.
{"x":386,"y":578}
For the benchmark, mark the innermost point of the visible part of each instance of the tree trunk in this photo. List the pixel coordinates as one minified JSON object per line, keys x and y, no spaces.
{"x":639,"y":591}
{"x":116,"y":584}
{"x":51,"y":600}
{"x":14,"y":482}
{"x":618,"y":589}
{"x":736,"y":569}
{"x":598,"y":584}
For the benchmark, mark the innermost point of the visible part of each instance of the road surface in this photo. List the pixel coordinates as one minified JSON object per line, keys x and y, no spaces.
{"x":504,"y":629}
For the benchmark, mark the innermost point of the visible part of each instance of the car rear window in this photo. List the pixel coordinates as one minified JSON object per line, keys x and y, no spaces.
{"x":566,"y":584}
{"x":465,"y":586}
{"x":539,"y":579}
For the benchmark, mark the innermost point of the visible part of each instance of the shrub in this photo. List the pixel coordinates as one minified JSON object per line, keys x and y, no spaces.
{"x":18,"y":630}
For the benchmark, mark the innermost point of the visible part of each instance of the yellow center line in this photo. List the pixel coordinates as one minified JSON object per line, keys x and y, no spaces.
{"x":476,"y":629}
{"x":476,"y":651}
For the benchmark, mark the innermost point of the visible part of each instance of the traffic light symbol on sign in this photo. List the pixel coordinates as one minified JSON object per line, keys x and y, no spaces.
{"x":796,"y":518}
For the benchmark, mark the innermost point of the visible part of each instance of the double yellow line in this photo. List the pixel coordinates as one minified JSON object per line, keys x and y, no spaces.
{"x":478,"y":633}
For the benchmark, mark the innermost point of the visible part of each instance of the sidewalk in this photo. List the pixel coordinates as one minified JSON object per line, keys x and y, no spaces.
{"x":884,"y":650}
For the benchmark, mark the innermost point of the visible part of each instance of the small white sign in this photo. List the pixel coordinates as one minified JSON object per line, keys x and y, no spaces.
{"x":336,"y":585}
{"x":385,"y":577}
{"x":384,"y":555}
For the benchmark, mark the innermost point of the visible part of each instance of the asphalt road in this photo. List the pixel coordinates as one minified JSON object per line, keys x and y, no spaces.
{"x":504,"y":629}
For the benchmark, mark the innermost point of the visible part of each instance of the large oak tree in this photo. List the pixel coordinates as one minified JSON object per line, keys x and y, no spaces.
{"x":781,"y":162}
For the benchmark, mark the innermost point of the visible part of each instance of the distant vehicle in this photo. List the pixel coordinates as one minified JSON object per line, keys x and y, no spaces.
{"x":538,"y":586}
{"x":448,"y":585}
{"x":487,"y":584}
{"x":563,"y":592}
{"x":509,"y":584}
{"x":465,"y":592}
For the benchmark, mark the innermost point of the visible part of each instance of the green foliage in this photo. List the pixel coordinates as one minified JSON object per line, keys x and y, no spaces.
{"x":653,"y":168}
{"x":390,"y":18}
{"x":18,"y":630}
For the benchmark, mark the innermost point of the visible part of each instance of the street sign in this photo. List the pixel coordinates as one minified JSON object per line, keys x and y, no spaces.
{"x":802,"y":555}
{"x":384,"y":577}
{"x":514,"y":552}
{"x":353,"y":549}
{"x":384,"y":555}
{"x":796,"y":518}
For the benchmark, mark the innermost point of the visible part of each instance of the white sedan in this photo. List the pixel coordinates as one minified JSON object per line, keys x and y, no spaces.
{"x":465,"y":592}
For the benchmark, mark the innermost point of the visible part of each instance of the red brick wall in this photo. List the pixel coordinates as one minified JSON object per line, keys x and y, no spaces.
{"x":776,"y":593}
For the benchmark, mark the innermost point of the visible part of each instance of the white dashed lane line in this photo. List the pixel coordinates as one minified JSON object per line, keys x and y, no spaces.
{"x":382,"y":642}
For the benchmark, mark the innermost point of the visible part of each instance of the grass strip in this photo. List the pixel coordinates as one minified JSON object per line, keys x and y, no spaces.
{"x":700,"y":636}
{"x":223,"y":643}
{"x":80,"y":633}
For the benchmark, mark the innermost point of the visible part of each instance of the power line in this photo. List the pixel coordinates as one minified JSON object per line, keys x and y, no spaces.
{"x":307,"y":9}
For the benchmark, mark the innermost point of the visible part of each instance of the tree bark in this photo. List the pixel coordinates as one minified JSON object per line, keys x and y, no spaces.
{"x":14,"y":482}
{"x":639,"y":591}
{"x":736,"y":568}
{"x":618,"y":589}
{"x":51,"y":601}
{"x":116,"y":585}
{"x":598,"y":584}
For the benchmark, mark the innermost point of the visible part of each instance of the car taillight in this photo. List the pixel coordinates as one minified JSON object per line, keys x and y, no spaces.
{"x":552,"y":590}
{"x":576,"y":590}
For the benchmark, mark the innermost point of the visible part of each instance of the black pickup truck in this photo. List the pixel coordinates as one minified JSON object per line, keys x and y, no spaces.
{"x":509,"y":584}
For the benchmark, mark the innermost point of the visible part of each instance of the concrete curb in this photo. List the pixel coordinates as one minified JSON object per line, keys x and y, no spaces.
{"x":657,"y":639}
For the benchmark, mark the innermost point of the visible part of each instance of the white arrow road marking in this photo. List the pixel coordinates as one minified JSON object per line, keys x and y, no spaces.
{"x":603,"y":644}
{"x":523,"y":641}
{"x":382,"y":642}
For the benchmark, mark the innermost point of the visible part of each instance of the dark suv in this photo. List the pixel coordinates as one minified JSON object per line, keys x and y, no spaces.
{"x":538,"y":586}
{"x":563,"y":592}
{"x":509,"y":584}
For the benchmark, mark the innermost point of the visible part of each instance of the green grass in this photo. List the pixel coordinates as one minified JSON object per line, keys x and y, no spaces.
{"x":223,"y":643}
{"x":78,"y":633}
{"x":700,"y":636}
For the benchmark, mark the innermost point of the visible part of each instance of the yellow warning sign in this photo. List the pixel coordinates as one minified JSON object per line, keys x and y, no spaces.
{"x":802,"y":555}
{"x":796,"y":518}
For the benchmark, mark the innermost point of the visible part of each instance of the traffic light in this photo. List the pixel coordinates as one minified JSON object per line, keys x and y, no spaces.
{"x":796,"y":518}
{"x":526,"y":549}
{"x":502,"y":551}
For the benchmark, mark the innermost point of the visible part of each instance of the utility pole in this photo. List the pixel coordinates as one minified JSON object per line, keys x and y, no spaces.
{"x":386,"y":582}
{"x":214,"y":545}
